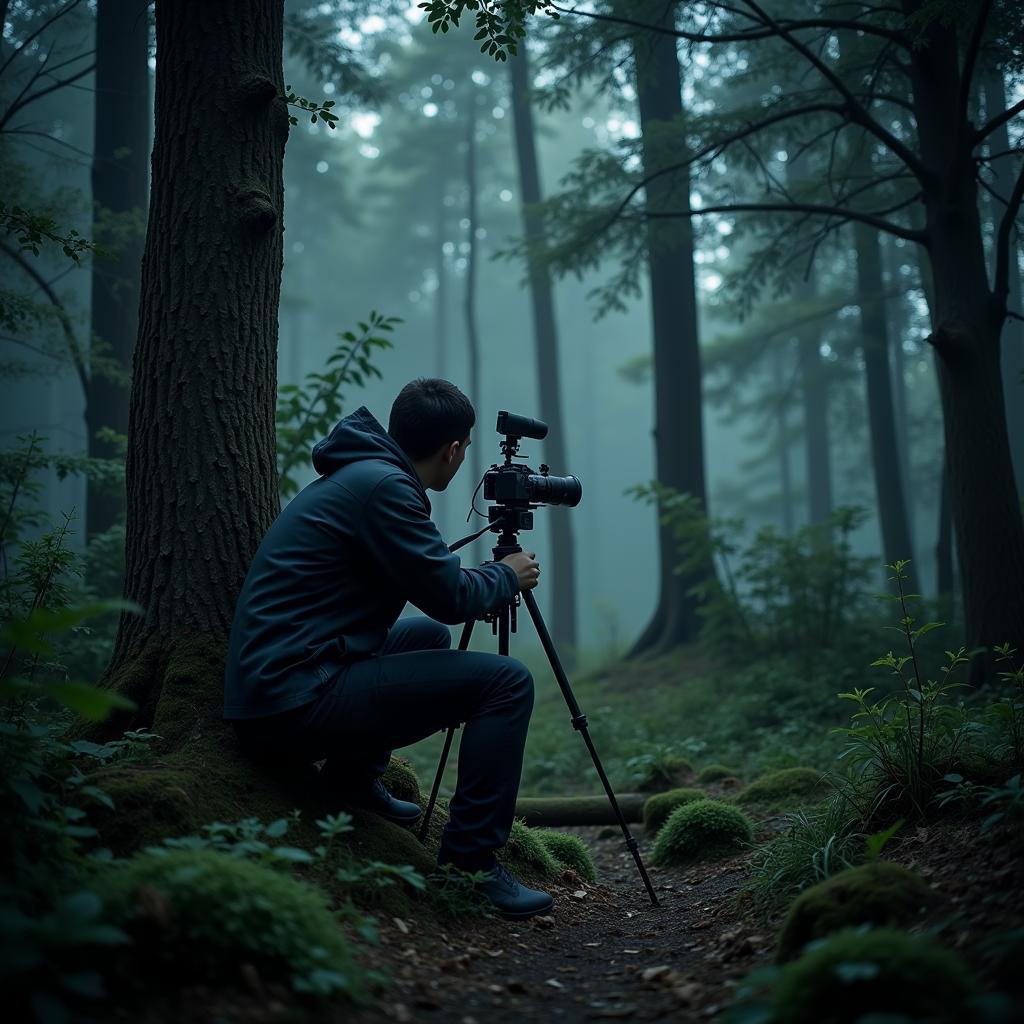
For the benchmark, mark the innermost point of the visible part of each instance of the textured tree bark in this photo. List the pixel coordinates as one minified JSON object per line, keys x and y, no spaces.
{"x":120,"y":185}
{"x":563,"y":559}
{"x":968,"y":322}
{"x":201,"y":474}
{"x":885,"y":444}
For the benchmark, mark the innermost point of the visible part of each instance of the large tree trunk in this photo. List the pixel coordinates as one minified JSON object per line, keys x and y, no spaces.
{"x":897,"y":322}
{"x":120,"y":179}
{"x":201,"y":474}
{"x":563,"y":559}
{"x":1013,"y":329}
{"x":679,"y":429}
{"x":885,"y":444}
{"x":966,"y":339}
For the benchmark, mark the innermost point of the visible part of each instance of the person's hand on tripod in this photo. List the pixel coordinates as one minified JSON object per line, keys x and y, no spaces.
{"x":526,"y":566}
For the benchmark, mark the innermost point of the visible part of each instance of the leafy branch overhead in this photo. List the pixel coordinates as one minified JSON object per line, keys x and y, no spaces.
{"x":307,"y":413}
{"x":501,"y":25}
{"x":317,"y":111}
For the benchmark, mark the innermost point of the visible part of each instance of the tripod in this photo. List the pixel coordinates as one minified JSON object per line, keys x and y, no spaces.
{"x":503,"y":622}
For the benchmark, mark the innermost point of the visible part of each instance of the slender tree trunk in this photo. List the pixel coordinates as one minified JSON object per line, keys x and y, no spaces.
{"x":813,"y":386}
{"x":944,"y":544}
{"x":966,"y":339}
{"x":892,"y":510}
{"x":679,"y":429}
{"x":782,"y":434}
{"x":563,"y":558}
{"x":1013,"y":329}
{"x":469,"y":308}
{"x":201,"y":474}
{"x":897,"y":322}
{"x":120,"y":180}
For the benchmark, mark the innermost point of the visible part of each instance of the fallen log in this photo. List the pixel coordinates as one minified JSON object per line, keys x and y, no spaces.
{"x":549,"y":811}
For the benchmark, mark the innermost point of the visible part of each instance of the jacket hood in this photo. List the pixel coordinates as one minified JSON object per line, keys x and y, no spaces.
{"x":359,"y":436}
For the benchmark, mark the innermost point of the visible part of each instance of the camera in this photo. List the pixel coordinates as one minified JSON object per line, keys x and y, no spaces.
{"x":517,"y":489}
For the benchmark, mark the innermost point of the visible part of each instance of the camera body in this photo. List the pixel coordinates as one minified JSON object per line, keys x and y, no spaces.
{"x":516,"y":489}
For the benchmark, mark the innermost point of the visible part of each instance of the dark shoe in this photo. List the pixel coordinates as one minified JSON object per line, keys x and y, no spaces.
{"x":513,"y":900}
{"x":376,"y":798}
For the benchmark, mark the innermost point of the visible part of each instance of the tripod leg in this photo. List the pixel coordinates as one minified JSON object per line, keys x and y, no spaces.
{"x":467,"y":632}
{"x":579,"y":723}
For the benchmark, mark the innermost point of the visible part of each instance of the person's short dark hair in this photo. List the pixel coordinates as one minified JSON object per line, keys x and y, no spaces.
{"x":428,"y":413}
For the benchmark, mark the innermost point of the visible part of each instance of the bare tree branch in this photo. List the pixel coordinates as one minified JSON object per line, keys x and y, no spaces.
{"x":62,"y":313}
{"x":20,"y":104}
{"x":56,"y":16}
{"x":876,"y":221}
{"x":987,"y":129}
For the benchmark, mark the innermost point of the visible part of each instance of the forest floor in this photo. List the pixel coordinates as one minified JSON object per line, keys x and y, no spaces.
{"x":605,"y":953}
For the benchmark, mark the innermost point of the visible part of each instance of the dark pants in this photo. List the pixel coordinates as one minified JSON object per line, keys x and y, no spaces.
{"x":413,"y":687}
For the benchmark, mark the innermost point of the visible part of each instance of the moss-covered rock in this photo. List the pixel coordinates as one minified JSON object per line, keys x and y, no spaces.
{"x":790,"y":785}
{"x":879,"y":893}
{"x":526,"y":855}
{"x":658,"y":807}
{"x":401,"y":780}
{"x":702,"y":830}
{"x":664,"y":773}
{"x":570,"y":852}
{"x":882,"y":973}
{"x":203,"y":913}
{"x":714,"y":773}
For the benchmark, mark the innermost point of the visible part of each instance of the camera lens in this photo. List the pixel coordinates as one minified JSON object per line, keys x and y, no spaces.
{"x":554,"y":490}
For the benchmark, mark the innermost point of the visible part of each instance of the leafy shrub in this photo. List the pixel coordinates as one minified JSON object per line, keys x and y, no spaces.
{"x":800,"y":593}
{"x":878,"y":893}
{"x":702,"y":830}
{"x":657,"y":808}
{"x":571,"y":852}
{"x":196,"y":911}
{"x":714,"y":773}
{"x":882,"y":973}
{"x":785,"y":786}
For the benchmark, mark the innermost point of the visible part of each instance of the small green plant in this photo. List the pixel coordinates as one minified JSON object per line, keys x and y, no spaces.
{"x":904,"y":745}
{"x":570,"y":852}
{"x":659,"y":768}
{"x":702,"y":830}
{"x":714,"y":773}
{"x":1006,"y":713}
{"x":814,"y":845}
{"x":658,"y":807}
{"x":877,"y":893}
{"x":785,"y":786}
{"x":457,"y":894}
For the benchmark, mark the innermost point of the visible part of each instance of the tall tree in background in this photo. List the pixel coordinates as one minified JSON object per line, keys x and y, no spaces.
{"x":201,"y":475}
{"x":922,"y":56}
{"x":678,"y":413}
{"x":563,"y":559}
{"x":120,"y":179}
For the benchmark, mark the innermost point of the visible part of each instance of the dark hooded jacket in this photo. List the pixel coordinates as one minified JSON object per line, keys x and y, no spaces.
{"x":336,"y":568}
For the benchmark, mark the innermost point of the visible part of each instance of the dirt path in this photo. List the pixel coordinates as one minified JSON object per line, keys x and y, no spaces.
{"x":605,"y":953}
